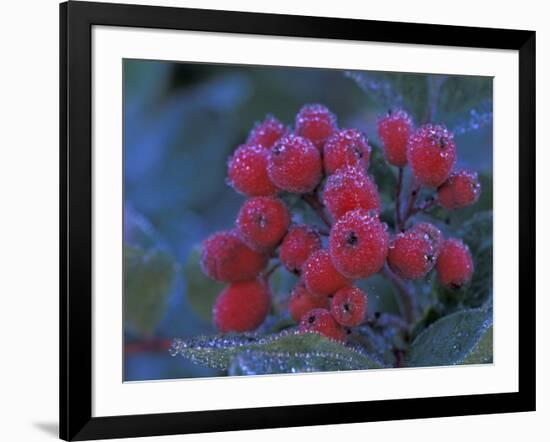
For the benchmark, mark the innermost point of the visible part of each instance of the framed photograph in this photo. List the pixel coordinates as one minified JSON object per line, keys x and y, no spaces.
{"x":274,"y":220}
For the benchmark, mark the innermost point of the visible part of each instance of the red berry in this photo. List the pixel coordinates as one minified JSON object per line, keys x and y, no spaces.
{"x":242,"y":306}
{"x":267,"y":132}
{"x":350,"y":189}
{"x":247,"y":171}
{"x":431,"y":233}
{"x":295,"y":165}
{"x":349,"y":306}
{"x":302,"y":301}
{"x":461,"y":189}
{"x":320,"y":275}
{"x":300,"y":242}
{"x":262,"y":222}
{"x":320,"y":321}
{"x":454,"y":264}
{"x":316,"y":123}
{"x":347,"y":147}
{"x":394,"y":130}
{"x":358,"y":244}
{"x":225,"y":257}
{"x":431,"y":153}
{"x":411,"y":255}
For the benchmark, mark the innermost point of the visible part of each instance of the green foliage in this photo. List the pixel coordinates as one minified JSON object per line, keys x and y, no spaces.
{"x":148,"y":278}
{"x":459,"y":93}
{"x":477,"y":233}
{"x":285,"y":352}
{"x":459,"y":338}
{"x":379,"y":341}
{"x":415,"y":91}
{"x":381,"y":294}
{"x":201,"y":291}
{"x":251,"y":362}
{"x":482,"y":353}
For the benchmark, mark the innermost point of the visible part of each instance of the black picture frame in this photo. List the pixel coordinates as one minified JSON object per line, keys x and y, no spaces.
{"x":76,"y":21}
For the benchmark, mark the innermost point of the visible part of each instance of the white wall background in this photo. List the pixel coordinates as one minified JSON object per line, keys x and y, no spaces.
{"x":29,"y":217}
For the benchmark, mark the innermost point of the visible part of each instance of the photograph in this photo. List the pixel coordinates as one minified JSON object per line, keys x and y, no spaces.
{"x":281,"y":220}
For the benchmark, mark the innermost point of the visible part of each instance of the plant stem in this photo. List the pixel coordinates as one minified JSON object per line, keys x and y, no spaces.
{"x":399,"y":355}
{"x":383,"y":320}
{"x":149,"y":345}
{"x":424,"y":207}
{"x":415,"y":188}
{"x":323,"y":232}
{"x":407,"y":300}
{"x":270,"y":272}
{"x":398,"y":188}
{"x":313,"y":201}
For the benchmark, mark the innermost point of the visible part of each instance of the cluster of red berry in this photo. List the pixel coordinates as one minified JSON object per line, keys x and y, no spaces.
{"x":275,"y":159}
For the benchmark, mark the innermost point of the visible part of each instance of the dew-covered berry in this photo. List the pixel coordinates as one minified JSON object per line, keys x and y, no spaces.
{"x":316,"y":123}
{"x":300,"y":242}
{"x":349,"y":189}
{"x":262,"y":222}
{"x":242,"y":306}
{"x":461,"y":189}
{"x":294,"y":164}
{"x":302,"y":301}
{"x":320,"y":275}
{"x":431,"y":233}
{"x":226,"y":258}
{"x":394,"y":130}
{"x":431,"y":153}
{"x":349,"y":306}
{"x":266,"y":133}
{"x":454,"y":264}
{"x":247,"y":171}
{"x":411,"y":254}
{"x":346,"y":147}
{"x":320,"y":321}
{"x":358,"y":244}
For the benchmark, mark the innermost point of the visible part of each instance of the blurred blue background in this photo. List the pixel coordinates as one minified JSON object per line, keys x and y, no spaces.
{"x":181,"y":123}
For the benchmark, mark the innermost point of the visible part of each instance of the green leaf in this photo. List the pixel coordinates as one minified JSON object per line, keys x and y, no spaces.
{"x":415,"y":89}
{"x":460,"y":93}
{"x":254,"y":362}
{"x":482,"y":353}
{"x":201,"y":291}
{"x":381,"y":294}
{"x":138,"y":230}
{"x":148,"y":278}
{"x":281,"y":283}
{"x":478,"y":235}
{"x":281,"y":352}
{"x":477,"y":232}
{"x":460,"y":338}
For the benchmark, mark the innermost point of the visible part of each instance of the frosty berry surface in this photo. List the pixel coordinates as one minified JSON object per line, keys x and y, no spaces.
{"x":331,"y":230}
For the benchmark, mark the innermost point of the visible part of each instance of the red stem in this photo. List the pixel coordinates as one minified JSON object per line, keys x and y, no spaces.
{"x":148,"y":345}
{"x":399,"y":356}
{"x":415,"y":188}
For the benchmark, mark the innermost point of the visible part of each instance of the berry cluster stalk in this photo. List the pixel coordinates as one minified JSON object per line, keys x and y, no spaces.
{"x":405,"y":296}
